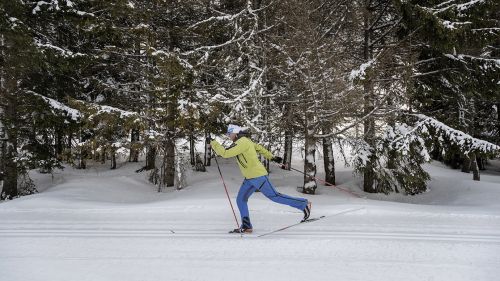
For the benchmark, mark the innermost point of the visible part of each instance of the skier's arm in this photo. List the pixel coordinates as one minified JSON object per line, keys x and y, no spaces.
{"x":268,"y":155}
{"x":237,"y":149}
{"x":264,"y":152}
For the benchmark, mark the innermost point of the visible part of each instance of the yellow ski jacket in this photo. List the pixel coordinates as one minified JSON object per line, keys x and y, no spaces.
{"x":245,"y":151}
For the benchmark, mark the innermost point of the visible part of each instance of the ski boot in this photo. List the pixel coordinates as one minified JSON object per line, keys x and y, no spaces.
{"x":307,"y":211}
{"x":242,"y":230}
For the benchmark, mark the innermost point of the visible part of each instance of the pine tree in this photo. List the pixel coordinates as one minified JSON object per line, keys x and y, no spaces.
{"x":18,"y":64}
{"x":456,"y":69}
{"x":375,"y":58}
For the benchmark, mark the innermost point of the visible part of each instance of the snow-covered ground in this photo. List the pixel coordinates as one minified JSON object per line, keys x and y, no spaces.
{"x":112,"y":225}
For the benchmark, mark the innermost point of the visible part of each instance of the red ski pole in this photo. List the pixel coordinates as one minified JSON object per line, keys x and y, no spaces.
{"x":323,"y":181}
{"x":227,"y":193}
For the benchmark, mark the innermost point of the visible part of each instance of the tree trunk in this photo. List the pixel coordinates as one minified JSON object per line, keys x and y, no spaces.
{"x":208,"y":152}
{"x":113,"y":157}
{"x":134,"y":150}
{"x":3,"y":152}
{"x":481,"y":163}
{"x":329,"y":161}
{"x":454,"y":160}
{"x":95,"y":154}
{"x":369,"y":178}
{"x":69,"y":144}
{"x":267,"y":162}
{"x":169,"y":167}
{"x":369,"y":138}
{"x":81,"y":161}
{"x":466,"y":166}
{"x":474,"y":167}
{"x":10,"y":181}
{"x":369,"y":100}
{"x":59,"y":144}
{"x":9,"y":101}
{"x":199,"y":167}
{"x":287,"y":158}
{"x":391,"y":162}
{"x":309,"y":164}
{"x":11,"y":172}
{"x":498,"y":122}
{"x":392,"y":153}
{"x":103,"y":155}
{"x":169,"y":144}
{"x":151,"y":158}
{"x":81,"y":164}
{"x":192,"y":157}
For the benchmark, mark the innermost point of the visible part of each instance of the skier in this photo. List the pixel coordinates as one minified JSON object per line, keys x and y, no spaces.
{"x":255,"y":175}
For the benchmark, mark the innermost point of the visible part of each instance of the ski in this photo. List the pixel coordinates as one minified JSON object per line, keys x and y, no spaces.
{"x":310,"y":220}
{"x":238,"y":231}
{"x":292,"y":225}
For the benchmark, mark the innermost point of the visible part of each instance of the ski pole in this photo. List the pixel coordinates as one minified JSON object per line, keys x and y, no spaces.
{"x":227,"y":193}
{"x":321,"y":180}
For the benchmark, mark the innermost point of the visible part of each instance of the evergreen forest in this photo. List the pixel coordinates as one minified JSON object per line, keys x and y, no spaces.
{"x":388,"y":84}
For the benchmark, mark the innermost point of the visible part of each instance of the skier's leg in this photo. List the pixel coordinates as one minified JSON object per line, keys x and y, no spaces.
{"x":270,"y":192}
{"x":246,"y":190}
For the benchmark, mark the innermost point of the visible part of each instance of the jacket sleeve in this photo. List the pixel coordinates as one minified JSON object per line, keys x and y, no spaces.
{"x":237,"y":149}
{"x":264,"y":152}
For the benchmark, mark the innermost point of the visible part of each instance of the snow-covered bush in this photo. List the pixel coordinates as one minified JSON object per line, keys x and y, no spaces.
{"x":402,"y":149}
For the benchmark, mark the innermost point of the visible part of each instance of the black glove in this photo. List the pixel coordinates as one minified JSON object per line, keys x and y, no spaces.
{"x":277,"y":159}
{"x":208,"y":140}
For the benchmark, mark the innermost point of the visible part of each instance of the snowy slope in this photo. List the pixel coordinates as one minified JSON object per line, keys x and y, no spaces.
{"x":111,"y":225}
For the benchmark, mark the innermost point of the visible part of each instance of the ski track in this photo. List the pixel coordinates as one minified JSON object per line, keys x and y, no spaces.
{"x":317,"y":229}
{"x":167,"y":233}
{"x":190,"y":256}
{"x":109,"y":228}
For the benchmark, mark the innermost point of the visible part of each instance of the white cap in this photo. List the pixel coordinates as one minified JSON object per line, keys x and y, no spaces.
{"x":233,"y":129}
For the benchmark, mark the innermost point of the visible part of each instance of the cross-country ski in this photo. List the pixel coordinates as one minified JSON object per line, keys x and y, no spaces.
{"x":310,"y":220}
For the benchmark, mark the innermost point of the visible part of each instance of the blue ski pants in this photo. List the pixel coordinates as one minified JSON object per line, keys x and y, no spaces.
{"x":263,"y":184}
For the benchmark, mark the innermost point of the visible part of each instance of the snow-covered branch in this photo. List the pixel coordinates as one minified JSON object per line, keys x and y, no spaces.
{"x":63,"y":52}
{"x":218,"y":18}
{"x":445,"y":6}
{"x":461,"y":57}
{"x":53,"y":5}
{"x":467,"y":142}
{"x":58,"y":106}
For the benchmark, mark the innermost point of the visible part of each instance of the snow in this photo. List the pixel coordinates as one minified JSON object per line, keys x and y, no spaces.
{"x":458,"y":137}
{"x":54,"y":5}
{"x":75,"y":114}
{"x":101,"y":224}
{"x":63,"y":52}
{"x":487,"y":62}
{"x":110,"y":109}
{"x":38,"y":7}
{"x":447,"y":5}
{"x":146,"y":26}
{"x":100,"y":98}
{"x":361,"y":71}
{"x":468,"y":5}
{"x":82,"y":13}
{"x":106,"y":109}
{"x":13,"y":20}
{"x":452,"y":25}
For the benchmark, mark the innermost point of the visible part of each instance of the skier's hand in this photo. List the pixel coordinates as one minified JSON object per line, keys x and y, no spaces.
{"x":277,"y":159}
